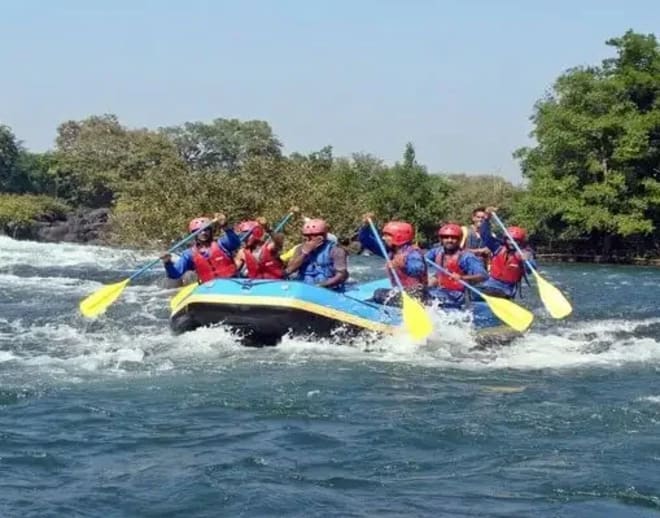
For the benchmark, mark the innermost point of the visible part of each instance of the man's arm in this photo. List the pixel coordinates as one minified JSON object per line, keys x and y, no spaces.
{"x":340,"y":262}
{"x":473,"y":268}
{"x":182,"y":265}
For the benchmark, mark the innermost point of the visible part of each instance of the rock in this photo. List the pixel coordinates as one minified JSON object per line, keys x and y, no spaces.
{"x":81,"y":226}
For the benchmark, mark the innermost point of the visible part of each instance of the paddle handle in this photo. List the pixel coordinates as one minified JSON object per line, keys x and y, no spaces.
{"x":281,"y":224}
{"x":515,"y":245}
{"x":172,"y":249}
{"x":381,"y":245}
{"x":444,"y":270}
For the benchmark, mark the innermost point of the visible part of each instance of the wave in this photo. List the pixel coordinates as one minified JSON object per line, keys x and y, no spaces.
{"x":70,"y":351}
{"x":43,"y":335}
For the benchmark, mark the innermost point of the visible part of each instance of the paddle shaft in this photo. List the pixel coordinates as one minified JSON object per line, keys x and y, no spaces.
{"x":515,"y":245}
{"x":381,"y":245}
{"x":280,"y":225}
{"x":172,"y":249}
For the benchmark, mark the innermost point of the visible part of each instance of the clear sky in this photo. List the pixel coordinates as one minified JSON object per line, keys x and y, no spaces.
{"x":457,"y":78}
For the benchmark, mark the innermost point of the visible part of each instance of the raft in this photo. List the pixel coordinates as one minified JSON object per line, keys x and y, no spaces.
{"x":263,"y":311}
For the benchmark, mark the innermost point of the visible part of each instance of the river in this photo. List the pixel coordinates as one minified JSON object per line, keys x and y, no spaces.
{"x":118,"y":417}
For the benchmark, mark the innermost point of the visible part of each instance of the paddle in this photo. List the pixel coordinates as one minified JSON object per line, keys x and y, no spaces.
{"x":96,"y":303}
{"x":187,"y":290}
{"x":553,"y":299}
{"x":506,"y":310}
{"x":415,"y":318}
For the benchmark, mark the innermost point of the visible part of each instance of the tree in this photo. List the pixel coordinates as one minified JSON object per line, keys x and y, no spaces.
{"x":9,"y":155}
{"x":408,"y":192}
{"x":97,"y":157}
{"x":223,"y":144}
{"x":596,"y":167}
{"x":470,"y":192}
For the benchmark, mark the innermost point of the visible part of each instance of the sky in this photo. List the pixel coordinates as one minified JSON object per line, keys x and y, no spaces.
{"x":459,"y":79}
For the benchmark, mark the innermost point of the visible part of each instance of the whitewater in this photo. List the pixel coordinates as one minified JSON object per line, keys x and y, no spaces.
{"x":118,"y":417}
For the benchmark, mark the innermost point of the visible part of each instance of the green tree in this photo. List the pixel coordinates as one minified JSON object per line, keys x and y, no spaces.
{"x":470,"y":191}
{"x":10,"y":150}
{"x":595,"y":170}
{"x":407,"y":192}
{"x":223,"y":144}
{"x":97,"y":157}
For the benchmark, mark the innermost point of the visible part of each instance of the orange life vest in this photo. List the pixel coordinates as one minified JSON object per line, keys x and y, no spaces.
{"x":507,"y":266}
{"x":409,"y":281}
{"x":267,"y":266}
{"x":218,"y":265}
{"x":450,"y":263}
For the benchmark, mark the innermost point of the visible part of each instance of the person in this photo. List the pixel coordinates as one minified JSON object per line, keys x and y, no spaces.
{"x":286,"y":256}
{"x":209,"y":258}
{"x":402,"y":256}
{"x":259,"y":259}
{"x":471,"y":239}
{"x":507,"y":267}
{"x":461,"y":264}
{"x":318,"y":260}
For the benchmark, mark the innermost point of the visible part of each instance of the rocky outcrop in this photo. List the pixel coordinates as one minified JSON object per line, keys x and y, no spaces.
{"x":82,"y":226}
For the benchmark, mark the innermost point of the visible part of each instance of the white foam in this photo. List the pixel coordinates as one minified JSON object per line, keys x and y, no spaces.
{"x":6,"y":356}
{"x":73,"y":347}
{"x":47,"y":283}
{"x":13,"y":252}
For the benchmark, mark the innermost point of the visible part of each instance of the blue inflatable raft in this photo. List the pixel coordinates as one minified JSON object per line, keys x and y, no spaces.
{"x":263,"y":311}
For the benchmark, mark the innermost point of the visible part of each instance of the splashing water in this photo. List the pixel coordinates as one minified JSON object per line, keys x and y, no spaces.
{"x":563,"y":421}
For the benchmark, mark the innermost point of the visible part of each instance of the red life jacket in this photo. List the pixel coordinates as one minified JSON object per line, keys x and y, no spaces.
{"x":507,"y":266}
{"x":450,"y":263}
{"x":219,"y":265}
{"x":267,"y":266}
{"x":408,"y":281}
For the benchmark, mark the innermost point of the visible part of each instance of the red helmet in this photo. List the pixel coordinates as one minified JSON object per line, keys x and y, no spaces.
{"x":197,"y":223}
{"x":450,"y":230}
{"x":314,"y":226}
{"x":400,"y":231}
{"x":518,"y":234}
{"x":257,"y":230}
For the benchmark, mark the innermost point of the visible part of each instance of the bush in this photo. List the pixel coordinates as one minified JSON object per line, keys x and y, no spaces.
{"x":20,"y":212}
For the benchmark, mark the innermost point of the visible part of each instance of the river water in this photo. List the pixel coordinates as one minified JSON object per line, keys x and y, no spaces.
{"x":117,"y":417}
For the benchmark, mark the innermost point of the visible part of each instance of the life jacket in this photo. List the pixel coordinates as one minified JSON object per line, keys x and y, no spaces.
{"x":218,"y":265}
{"x":267,"y":265}
{"x":409,"y":282}
{"x":318,"y":266}
{"x":450,"y":263}
{"x":507,"y":266}
{"x":471,"y":238}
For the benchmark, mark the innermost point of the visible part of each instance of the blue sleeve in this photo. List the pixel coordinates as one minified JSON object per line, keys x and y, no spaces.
{"x":368,"y":241}
{"x":415,"y":264}
{"x":471,"y":265}
{"x":487,"y":236}
{"x":230,"y":240}
{"x":431,"y":254}
{"x":182,"y":265}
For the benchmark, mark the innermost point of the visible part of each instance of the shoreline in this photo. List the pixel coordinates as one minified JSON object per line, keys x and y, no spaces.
{"x":597,"y":259}
{"x":546,"y":257}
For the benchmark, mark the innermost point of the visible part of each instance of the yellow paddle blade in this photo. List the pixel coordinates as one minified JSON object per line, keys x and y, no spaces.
{"x":182,"y":294}
{"x":510,"y":313}
{"x":286,"y":256}
{"x":415,"y":318}
{"x":553,"y":299}
{"x":98,"y":302}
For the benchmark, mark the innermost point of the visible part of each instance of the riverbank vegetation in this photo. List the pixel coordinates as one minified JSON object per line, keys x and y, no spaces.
{"x":591,"y":181}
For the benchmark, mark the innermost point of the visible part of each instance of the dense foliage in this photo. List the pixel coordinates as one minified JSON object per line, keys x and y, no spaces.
{"x":592,"y":179}
{"x":18,"y":212}
{"x":595,"y":172}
